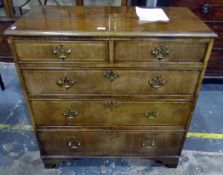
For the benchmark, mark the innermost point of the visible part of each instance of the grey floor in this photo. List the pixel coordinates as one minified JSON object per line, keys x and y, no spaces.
{"x":19,"y":153}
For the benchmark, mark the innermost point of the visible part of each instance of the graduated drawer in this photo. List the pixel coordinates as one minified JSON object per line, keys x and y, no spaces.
{"x":110,"y":142}
{"x":61,"y":51}
{"x":110,"y":81}
{"x":160,"y":50}
{"x":106,"y":112}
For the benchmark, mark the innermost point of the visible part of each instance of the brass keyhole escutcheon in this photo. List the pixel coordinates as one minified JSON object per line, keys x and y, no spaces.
{"x":111,"y":74}
{"x":157,"y":81}
{"x":111,"y":135}
{"x":152,"y":114}
{"x":112,"y":104}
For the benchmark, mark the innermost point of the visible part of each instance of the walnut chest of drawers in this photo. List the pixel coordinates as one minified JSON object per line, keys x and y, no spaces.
{"x":99,"y":83}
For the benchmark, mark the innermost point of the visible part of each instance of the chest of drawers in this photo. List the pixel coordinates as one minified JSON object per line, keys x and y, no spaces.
{"x":127,"y":90}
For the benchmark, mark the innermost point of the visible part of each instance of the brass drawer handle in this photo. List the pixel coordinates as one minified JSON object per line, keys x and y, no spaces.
{"x":205,"y":9}
{"x":152,"y":114}
{"x":111,"y":104}
{"x":65,"y":82}
{"x":157,"y":81}
{"x":62,"y":51}
{"x":73,"y":144}
{"x":148,"y":143}
{"x":70,"y":113}
{"x":111,"y":74}
{"x":160,"y":52}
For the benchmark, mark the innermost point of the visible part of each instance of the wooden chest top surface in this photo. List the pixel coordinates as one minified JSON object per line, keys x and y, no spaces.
{"x":118,"y":22}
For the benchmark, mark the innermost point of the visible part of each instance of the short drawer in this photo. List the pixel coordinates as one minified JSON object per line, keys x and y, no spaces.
{"x":159,"y":51}
{"x":61,"y":51}
{"x":107,"y":112}
{"x":110,"y":81}
{"x":110,"y":142}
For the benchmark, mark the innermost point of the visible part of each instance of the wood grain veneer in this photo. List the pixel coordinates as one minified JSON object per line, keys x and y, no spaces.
{"x":127,"y":112}
{"x":124,"y":91}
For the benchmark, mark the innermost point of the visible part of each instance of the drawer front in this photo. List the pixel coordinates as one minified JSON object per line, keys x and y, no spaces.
{"x":145,"y":143}
{"x":62,"y":51}
{"x":162,"y":50}
{"x":110,"y":81}
{"x":110,"y":112}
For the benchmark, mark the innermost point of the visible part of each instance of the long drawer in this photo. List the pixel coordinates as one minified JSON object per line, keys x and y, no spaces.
{"x":160,"y":51}
{"x":107,"y":112}
{"x":110,"y":142}
{"x":60,"y":51}
{"x":110,"y":81}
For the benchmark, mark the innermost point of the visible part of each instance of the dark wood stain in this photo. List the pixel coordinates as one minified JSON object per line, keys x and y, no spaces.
{"x":211,"y":12}
{"x":5,"y":52}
